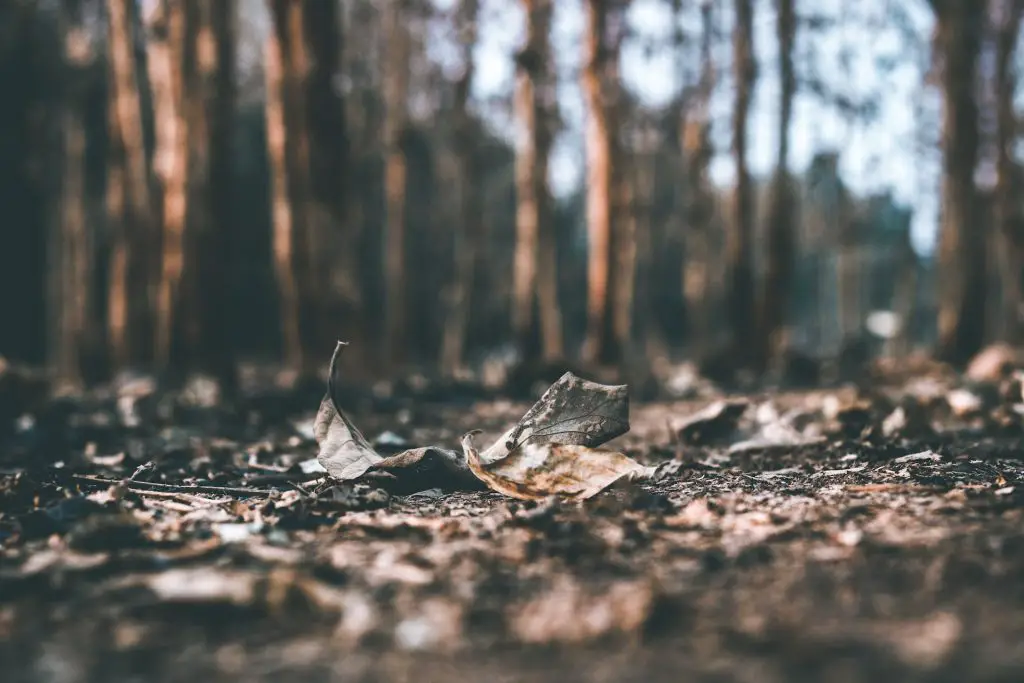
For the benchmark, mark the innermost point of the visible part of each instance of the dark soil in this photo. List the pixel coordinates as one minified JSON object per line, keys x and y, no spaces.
{"x":839,"y":560}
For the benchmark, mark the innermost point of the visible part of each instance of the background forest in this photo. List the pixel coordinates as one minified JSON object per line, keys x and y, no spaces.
{"x":190,"y":186}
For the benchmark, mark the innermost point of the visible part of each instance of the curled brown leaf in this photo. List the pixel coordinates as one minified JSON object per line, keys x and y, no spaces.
{"x":535,"y":471}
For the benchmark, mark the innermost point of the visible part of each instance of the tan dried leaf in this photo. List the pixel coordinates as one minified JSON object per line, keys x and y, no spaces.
{"x":344,"y":451}
{"x":534,"y":471}
{"x":572,"y":411}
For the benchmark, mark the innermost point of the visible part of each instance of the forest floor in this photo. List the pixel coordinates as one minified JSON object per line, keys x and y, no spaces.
{"x":838,"y":534}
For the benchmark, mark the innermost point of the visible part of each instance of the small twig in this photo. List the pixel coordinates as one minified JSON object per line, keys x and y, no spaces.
{"x":300,"y":488}
{"x":284,"y":478}
{"x":177,"y":488}
{"x":172,"y":505}
{"x":187,"y":498}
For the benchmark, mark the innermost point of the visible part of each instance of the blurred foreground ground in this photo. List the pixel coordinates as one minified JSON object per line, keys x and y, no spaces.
{"x":838,"y":534}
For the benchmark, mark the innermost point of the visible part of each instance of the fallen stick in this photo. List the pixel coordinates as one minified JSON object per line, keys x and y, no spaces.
{"x":175,"y":488}
{"x":186,"y":498}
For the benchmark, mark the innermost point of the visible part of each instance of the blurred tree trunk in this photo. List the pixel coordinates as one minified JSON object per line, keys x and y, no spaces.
{"x":628,"y":157}
{"x":467,"y":234}
{"x":198,"y":70}
{"x":778,"y":284}
{"x":396,"y":96}
{"x":905,"y":297}
{"x":604,"y":24}
{"x":170,"y":163}
{"x":282,"y":208}
{"x":128,"y":198}
{"x":216,"y":304}
{"x":848,"y":268}
{"x":290,"y":24}
{"x":71,"y":265}
{"x":648,"y":244}
{"x":697,"y":153}
{"x":1009,"y":218}
{"x":739,"y":244}
{"x":962,"y":244}
{"x":334,"y":238}
{"x":535,"y":269}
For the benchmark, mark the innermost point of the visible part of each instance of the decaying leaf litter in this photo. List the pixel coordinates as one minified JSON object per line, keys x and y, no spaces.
{"x":552,"y":450}
{"x":875,"y":528}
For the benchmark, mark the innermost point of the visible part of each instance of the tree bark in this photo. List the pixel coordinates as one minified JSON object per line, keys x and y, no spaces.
{"x":307,"y":222}
{"x":739,"y":256}
{"x":170,"y":164}
{"x":1009,"y":218}
{"x":781,"y":238}
{"x":605,"y":343}
{"x":282,"y":209}
{"x":396,"y":95}
{"x":333,"y":243}
{"x":466,"y":237}
{"x":217,"y":305}
{"x":535,"y":288}
{"x":962,"y":243}
{"x":71,"y":265}
{"x":131,"y":287}
{"x":697,"y":152}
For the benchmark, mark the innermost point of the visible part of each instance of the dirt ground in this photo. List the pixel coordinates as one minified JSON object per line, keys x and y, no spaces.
{"x":843,"y":547}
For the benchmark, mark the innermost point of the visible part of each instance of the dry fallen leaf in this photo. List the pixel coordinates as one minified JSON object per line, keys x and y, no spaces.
{"x":534,"y":471}
{"x":716,"y":421}
{"x":572,"y":411}
{"x":344,"y":451}
{"x":550,"y":450}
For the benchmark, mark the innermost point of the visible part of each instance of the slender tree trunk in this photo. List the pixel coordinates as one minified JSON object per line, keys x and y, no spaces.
{"x":290,"y":24}
{"x":781,"y":240}
{"x":466,"y":236}
{"x":599,"y":80}
{"x":170,"y":163}
{"x":962,"y":244}
{"x":697,"y":153}
{"x":848,"y":273}
{"x":545,"y":115}
{"x":648,"y":245}
{"x":197,"y":71}
{"x":132,"y":283}
{"x":71,"y":265}
{"x":281,"y":204}
{"x":1009,"y":218}
{"x":396,"y":95}
{"x":625,"y":225}
{"x":535,"y":262}
{"x":217,"y":263}
{"x":117,"y":276}
{"x":334,"y":237}
{"x":739,"y":247}
{"x":524,"y":273}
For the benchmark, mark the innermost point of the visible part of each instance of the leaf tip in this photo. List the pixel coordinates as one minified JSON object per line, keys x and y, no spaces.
{"x":331,"y":370}
{"x":467,"y":438}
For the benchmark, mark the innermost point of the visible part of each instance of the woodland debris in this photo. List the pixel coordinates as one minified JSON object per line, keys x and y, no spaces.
{"x":993,"y":363}
{"x":573,"y":411}
{"x":534,"y":457}
{"x":919,"y":457}
{"x":535,"y":471}
{"x":176,"y":488}
{"x":716,"y":422}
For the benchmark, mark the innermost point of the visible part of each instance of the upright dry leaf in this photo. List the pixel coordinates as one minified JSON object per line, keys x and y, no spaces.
{"x":344,"y":451}
{"x":533,"y":471}
{"x":572,"y":411}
